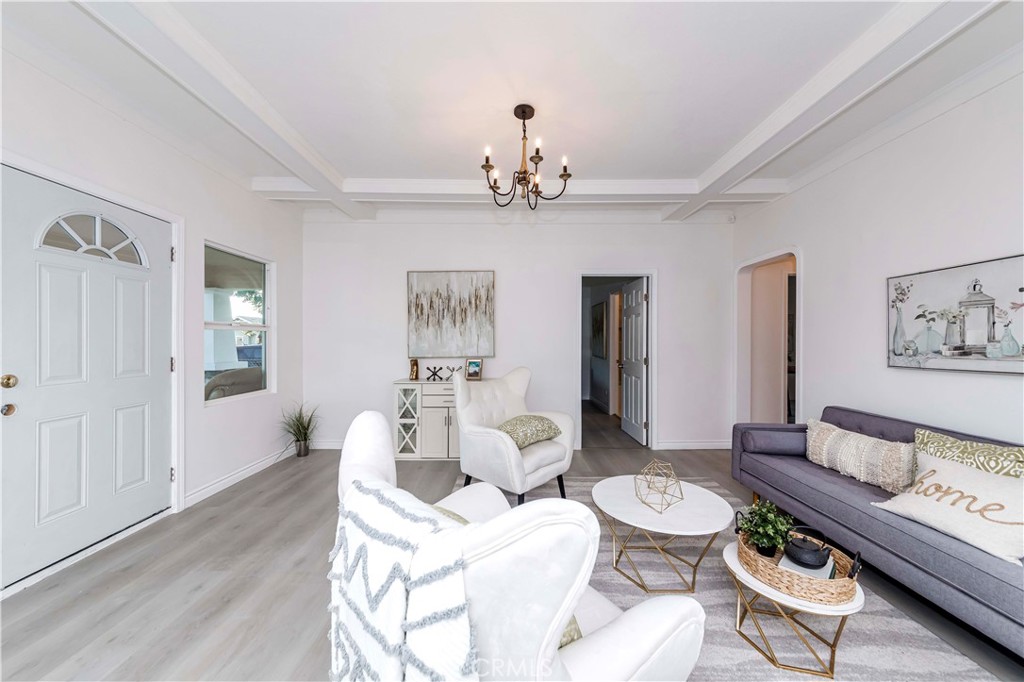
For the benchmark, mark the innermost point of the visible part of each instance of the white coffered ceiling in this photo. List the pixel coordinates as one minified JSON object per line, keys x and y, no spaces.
{"x":696,"y":111}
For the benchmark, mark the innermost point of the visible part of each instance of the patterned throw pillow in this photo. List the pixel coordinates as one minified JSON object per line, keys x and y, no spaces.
{"x":982,"y":509}
{"x":887,"y":464}
{"x":995,"y":459}
{"x":527,"y":429}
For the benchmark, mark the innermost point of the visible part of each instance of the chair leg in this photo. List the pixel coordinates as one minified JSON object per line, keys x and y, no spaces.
{"x":468,"y":479}
{"x":522,"y":496}
{"x":561,"y":486}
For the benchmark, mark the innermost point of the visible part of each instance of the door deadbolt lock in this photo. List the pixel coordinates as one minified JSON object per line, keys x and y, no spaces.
{"x":8,"y":409}
{"x":8,"y":381}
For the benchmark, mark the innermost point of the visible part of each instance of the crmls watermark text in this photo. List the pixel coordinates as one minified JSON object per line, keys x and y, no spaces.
{"x":504,"y":668}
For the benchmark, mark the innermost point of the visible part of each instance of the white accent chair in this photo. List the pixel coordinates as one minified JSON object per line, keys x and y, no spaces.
{"x":526,"y":575}
{"x":490,"y":455}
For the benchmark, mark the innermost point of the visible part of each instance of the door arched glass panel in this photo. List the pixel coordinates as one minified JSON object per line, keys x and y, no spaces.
{"x":94,"y":235}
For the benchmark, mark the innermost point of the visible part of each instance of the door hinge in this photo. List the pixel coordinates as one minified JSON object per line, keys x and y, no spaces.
{"x":172,"y":364}
{"x":645,"y":298}
{"x":645,"y":425}
{"x":645,"y":362}
{"x":172,"y":474}
{"x":173,"y":254}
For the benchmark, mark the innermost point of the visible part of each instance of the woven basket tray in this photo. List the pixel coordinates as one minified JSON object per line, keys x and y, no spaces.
{"x":838,"y":590}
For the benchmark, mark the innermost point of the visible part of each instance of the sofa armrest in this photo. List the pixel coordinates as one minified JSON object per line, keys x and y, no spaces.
{"x":476,"y":503}
{"x":490,"y":455}
{"x":658,"y":639}
{"x":767,"y":439}
{"x":763,"y":442}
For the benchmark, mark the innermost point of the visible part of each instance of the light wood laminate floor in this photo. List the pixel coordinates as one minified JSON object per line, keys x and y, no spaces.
{"x":604,"y":431}
{"x":235,"y":587}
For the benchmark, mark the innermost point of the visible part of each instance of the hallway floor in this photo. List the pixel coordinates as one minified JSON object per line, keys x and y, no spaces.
{"x":603,"y":431}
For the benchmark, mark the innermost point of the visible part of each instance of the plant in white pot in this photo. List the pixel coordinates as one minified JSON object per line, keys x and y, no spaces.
{"x":299,"y":424}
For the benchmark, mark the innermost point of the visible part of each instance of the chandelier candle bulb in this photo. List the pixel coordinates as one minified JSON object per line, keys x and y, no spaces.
{"x":565,"y":164}
{"x":487,"y":154}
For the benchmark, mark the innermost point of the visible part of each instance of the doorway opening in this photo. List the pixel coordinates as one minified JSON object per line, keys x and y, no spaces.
{"x":768,"y":387}
{"x":615,"y":395}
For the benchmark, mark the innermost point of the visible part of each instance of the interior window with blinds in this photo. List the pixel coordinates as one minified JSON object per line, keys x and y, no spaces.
{"x":237,"y":332}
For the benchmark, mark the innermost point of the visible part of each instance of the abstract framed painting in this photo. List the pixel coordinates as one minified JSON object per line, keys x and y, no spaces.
{"x":967,"y":318}
{"x":451,"y":314}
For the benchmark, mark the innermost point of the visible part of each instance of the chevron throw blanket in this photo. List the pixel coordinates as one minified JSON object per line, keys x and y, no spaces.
{"x":398,"y":601}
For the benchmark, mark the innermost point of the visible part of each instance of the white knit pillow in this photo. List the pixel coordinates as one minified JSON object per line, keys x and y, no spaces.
{"x":887,"y":464}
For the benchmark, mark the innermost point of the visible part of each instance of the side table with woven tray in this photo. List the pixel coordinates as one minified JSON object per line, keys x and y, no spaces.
{"x":789,"y":595}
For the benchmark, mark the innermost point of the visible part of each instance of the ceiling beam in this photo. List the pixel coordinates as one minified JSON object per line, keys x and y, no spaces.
{"x":906,"y":34}
{"x":161,"y":35}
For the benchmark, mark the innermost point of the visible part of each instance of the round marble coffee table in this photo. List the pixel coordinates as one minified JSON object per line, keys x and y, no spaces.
{"x":788,"y":607}
{"x":700,"y":513}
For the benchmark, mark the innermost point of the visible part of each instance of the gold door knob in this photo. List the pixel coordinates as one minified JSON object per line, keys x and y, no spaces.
{"x":8,"y":409}
{"x":8,"y":381}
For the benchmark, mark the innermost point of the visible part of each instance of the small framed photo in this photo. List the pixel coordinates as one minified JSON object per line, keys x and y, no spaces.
{"x":474,"y":369}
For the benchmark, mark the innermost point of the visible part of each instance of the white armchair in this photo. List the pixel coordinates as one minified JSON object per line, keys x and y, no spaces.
{"x":526,"y":574}
{"x":490,"y":455}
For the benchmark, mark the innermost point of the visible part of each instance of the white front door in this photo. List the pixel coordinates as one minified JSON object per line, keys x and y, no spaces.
{"x":634,"y":360}
{"x":85,"y":328}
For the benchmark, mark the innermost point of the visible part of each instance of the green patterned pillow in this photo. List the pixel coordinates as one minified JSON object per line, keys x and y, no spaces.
{"x":995,"y":459}
{"x":527,"y":429}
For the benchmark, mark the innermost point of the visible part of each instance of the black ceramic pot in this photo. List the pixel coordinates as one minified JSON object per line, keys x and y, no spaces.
{"x":807,"y":552}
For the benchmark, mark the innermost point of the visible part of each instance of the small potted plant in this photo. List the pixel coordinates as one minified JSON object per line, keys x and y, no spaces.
{"x":299,"y":424}
{"x":766,"y":526}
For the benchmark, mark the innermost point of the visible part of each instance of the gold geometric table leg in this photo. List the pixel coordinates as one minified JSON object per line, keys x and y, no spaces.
{"x":746,"y":607}
{"x":621,"y":547}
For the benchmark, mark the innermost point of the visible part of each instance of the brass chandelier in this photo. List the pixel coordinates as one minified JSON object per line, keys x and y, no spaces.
{"x":524,"y":180}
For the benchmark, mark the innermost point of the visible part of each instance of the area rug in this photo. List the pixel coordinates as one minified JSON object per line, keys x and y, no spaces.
{"x":879,"y":643}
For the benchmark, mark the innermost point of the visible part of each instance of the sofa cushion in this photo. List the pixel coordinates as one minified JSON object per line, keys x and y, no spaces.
{"x":996,"y":459}
{"x":887,"y":464}
{"x":539,"y":455}
{"x":983,"y":509}
{"x":985,"y":578}
{"x":887,"y":428}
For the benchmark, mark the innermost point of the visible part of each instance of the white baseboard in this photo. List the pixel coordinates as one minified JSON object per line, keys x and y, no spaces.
{"x":75,"y":558}
{"x":693,"y":445}
{"x":327,"y":444}
{"x":227,"y":481}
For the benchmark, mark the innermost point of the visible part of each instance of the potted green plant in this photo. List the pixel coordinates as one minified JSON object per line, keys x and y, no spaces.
{"x":299,"y":424}
{"x":767,"y":527}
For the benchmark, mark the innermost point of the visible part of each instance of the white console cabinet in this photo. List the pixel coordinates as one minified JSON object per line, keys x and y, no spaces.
{"x":425,"y":426}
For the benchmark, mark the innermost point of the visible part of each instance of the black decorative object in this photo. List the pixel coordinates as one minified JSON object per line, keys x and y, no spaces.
{"x":804,"y":551}
{"x":855,"y":567}
{"x":434,"y":373}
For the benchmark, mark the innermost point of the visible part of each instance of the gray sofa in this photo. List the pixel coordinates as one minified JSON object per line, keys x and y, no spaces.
{"x":985,"y":592}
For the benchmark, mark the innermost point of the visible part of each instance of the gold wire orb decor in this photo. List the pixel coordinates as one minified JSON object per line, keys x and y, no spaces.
{"x":657,"y":486}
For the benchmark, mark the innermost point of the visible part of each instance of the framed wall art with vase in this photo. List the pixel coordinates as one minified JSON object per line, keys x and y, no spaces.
{"x":451,"y":314}
{"x":967,"y":318}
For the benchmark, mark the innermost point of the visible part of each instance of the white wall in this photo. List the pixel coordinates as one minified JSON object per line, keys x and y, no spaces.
{"x":52,"y":124}
{"x":768,"y":341}
{"x":355,"y":290}
{"x":947,"y":193}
